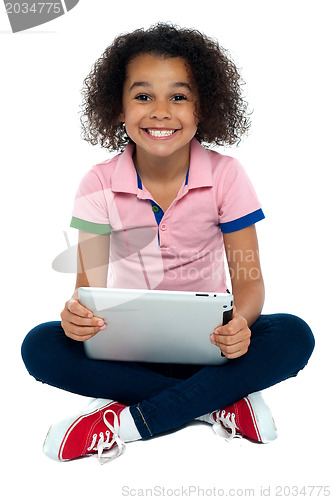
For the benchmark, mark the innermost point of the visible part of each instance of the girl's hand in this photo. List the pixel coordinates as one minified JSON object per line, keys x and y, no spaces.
{"x":78,"y":322}
{"x":232,"y":339}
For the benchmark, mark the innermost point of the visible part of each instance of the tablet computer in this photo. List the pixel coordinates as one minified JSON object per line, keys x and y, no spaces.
{"x":156,"y":326}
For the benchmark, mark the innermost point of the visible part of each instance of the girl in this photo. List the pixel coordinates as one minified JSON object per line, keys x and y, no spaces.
{"x":157,"y":95}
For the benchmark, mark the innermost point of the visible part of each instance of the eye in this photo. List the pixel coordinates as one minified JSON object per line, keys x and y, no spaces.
{"x":179,"y":97}
{"x":142,"y":97}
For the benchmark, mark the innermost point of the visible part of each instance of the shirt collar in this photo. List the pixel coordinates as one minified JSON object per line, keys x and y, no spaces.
{"x":124,"y":179}
{"x":200,"y":170}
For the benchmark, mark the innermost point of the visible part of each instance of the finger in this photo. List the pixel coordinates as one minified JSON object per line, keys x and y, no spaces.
{"x":74,"y":306}
{"x":229,"y":340}
{"x":232,"y":339}
{"x":232,"y":353}
{"x":78,"y":310}
{"x":85,"y":331}
{"x":233,"y":327}
{"x":74,"y":319}
{"x":79,"y":338}
{"x":230,"y":345}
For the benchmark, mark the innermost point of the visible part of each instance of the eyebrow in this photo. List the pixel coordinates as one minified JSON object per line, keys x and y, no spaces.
{"x":148,"y":84}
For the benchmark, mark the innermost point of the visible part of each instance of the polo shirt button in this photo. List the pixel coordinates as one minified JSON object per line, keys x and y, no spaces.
{"x":155,"y":208}
{"x":163,"y":227}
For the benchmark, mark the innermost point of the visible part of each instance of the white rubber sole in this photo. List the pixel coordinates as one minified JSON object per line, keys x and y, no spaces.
{"x":264,"y":423}
{"x":56,"y":436}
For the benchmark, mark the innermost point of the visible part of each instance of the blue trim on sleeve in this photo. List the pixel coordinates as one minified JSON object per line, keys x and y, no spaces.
{"x":242,"y":222}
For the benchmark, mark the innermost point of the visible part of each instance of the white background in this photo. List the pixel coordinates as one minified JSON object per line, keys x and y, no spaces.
{"x":283,"y":49}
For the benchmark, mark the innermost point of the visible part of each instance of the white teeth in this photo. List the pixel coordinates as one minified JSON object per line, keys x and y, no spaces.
{"x":160,"y":133}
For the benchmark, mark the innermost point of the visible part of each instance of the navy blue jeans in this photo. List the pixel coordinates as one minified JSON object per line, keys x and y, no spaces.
{"x":163,"y":397}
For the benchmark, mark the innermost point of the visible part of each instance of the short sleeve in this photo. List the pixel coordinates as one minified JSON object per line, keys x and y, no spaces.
{"x":90,"y":212}
{"x":239,"y":207}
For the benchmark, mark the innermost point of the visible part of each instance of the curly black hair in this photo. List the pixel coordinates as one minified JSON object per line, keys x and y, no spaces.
{"x":223,"y":117}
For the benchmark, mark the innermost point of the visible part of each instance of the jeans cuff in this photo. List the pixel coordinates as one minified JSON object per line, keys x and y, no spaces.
{"x":140,"y":421}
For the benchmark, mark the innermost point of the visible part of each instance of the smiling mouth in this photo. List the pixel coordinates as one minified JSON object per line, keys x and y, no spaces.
{"x":160,"y":133}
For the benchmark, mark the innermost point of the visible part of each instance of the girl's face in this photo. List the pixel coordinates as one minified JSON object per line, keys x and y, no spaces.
{"x":159,"y":104}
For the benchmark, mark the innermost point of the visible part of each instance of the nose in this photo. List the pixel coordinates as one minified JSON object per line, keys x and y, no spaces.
{"x":160,"y":110}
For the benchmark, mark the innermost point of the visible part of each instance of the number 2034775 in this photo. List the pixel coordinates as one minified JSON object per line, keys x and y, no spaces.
{"x":35,"y":8}
{"x":302,"y":491}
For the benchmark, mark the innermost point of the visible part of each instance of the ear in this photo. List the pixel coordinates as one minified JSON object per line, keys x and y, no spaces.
{"x":121,"y":117}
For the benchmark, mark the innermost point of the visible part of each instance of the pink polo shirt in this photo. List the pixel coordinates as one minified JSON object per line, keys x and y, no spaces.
{"x":181,"y":249}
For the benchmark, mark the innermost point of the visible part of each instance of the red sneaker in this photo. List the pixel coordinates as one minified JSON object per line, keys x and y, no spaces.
{"x":93,"y":430}
{"x":249,"y":417}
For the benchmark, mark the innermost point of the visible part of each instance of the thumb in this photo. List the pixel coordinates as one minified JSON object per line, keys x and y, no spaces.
{"x":69,"y":303}
{"x":74,"y":306}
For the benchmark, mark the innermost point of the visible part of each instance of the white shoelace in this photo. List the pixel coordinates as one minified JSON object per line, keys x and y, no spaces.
{"x":106,"y":443}
{"x":223,"y":422}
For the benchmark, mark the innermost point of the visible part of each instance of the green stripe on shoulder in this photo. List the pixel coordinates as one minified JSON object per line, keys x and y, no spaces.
{"x":90,"y":227}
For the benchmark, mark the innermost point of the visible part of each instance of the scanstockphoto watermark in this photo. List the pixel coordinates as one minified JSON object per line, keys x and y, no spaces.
{"x":186,"y":491}
{"x":143,"y":242}
{"x":210,"y":264}
{"x":28,"y":14}
{"x":195,"y":491}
